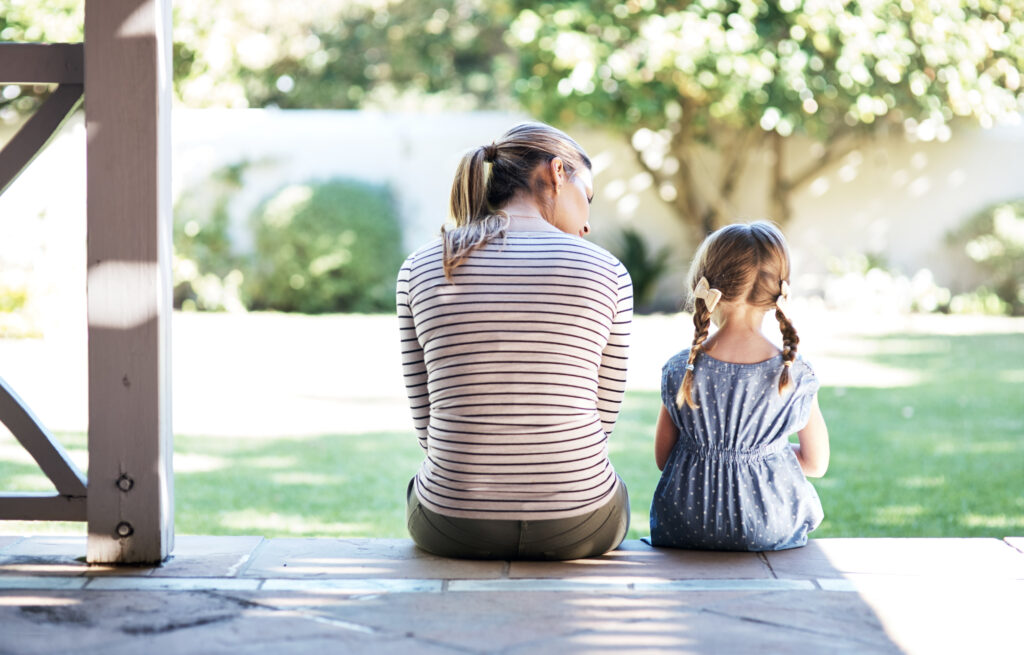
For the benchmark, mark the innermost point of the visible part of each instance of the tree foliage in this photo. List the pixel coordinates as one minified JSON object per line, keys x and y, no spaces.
{"x":737,"y":75}
{"x":341,"y":54}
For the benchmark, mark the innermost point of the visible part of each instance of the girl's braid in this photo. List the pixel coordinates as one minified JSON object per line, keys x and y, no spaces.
{"x":701,"y":324}
{"x":790,"y":340}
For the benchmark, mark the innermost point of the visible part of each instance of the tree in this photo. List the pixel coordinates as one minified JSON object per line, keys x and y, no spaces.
{"x":735,"y":76}
{"x":342,"y":54}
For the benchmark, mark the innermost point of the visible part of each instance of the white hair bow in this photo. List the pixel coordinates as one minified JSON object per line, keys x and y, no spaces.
{"x":707,"y":294}
{"x":782,"y":302}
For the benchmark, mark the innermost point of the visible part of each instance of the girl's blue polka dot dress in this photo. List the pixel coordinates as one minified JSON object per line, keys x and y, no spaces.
{"x":732,"y":482}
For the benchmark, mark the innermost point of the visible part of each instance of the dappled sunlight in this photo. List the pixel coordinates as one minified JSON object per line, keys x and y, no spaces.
{"x":961,"y":447}
{"x":851,"y":372}
{"x":357,"y":570}
{"x":303,"y":601}
{"x":28,"y":482}
{"x":273,"y":462}
{"x":638,"y":638}
{"x":301,"y":477}
{"x":1013,"y":376}
{"x":38,"y":601}
{"x":918,"y":482}
{"x":199,"y":463}
{"x":43,"y":568}
{"x":254,"y":521}
{"x":994,"y":522}
{"x":897,"y":514}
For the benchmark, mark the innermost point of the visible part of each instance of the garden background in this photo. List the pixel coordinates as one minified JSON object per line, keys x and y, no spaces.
{"x":314,"y":147}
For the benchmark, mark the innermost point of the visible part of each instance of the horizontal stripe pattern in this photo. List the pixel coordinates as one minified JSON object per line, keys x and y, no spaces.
{"x":515,"y":374}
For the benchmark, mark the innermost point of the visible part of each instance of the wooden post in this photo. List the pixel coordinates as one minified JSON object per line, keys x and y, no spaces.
{"x":130,"y":502}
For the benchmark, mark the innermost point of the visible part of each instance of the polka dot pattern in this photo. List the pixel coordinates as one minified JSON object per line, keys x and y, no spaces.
{"x":732,"y":482}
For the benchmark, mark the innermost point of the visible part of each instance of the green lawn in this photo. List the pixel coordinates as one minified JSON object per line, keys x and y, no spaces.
{"x":944,"y":457}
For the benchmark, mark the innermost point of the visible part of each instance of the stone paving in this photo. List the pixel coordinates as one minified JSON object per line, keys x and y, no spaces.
{"x":255,"y":595}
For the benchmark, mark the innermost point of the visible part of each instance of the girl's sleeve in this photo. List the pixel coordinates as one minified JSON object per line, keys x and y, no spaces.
{"x":413,"y":369}
{"x":807,"y":386}
{"x":611,"y":376}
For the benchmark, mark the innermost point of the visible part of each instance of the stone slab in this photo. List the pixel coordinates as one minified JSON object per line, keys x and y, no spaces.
{"x":48,"y":546}
{"x":946,"y":558}
{"x":350,"y":586}
{"x":636,"y":559}
{"x":51,"y":583}
{"x":132,"y":622}
{"x":215,"y":557}
{"x":840,"y":615}
{"x":172,"y":584}
{"x":946,"y":615}
{"x":8,"y":541}
{"x":491,"y":622}
{"x":701,"y":632}
{"x":44,"y":555}
{"x":360,"y":559}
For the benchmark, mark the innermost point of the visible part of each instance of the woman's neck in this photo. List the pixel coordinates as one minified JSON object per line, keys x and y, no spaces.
{"x":520,"y":207}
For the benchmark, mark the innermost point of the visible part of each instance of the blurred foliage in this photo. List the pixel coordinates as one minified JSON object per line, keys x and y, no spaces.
{"x":207,"y":272}
{"x":994,"y":240}
{"x":738,"y":76}
{"x":331,"y":246}
{"x":645,"y":267}
{"x":54,"y":21}
{"x":681,"y":81}
{"x":341,"y":54}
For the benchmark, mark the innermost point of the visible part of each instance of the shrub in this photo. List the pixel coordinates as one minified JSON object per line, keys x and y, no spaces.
{"x":332,"y":246}
{"x":994,"y":240}
{"x":206,"y":268}
{"x":645,"y":267}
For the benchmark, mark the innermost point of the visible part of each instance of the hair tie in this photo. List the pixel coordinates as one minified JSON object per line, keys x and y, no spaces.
{"x":782,"y":302}
{"x":787,"y":363}
{"x":707,"y":294}
{"x":490,"y":153}
{"x":689,"y":367}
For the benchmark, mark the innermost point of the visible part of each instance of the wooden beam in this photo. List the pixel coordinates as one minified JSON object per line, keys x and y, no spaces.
{"x":41,"y":507}
{"x":33,"y":136}
{"x":127,"y":113}
{"x":41,"y":63}
{"x":40,"y":444}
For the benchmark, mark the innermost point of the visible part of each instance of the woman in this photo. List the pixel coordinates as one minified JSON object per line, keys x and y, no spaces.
{"x":514,"y":340}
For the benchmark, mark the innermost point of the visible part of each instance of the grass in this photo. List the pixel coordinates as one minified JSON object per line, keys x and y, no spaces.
{"x":941,"y":458}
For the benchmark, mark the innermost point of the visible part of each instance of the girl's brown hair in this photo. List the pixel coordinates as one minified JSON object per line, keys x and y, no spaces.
{"x":488,"y":177}
{"x":747,"y":262}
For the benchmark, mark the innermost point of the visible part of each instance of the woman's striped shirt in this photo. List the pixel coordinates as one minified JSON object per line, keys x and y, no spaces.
{"x":515,"y":373}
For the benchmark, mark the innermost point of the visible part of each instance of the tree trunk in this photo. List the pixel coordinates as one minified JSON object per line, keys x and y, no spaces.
{"x":778,"y":201}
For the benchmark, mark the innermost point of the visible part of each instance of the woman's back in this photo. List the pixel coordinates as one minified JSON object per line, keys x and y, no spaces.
{"x":522,"y":356}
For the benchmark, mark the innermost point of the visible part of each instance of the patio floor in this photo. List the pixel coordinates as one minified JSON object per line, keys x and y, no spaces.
{"x":255,"y":595}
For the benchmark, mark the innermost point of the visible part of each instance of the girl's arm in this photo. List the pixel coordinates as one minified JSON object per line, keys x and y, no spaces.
{"x":812,"y":452}
{"x":665,"y":436}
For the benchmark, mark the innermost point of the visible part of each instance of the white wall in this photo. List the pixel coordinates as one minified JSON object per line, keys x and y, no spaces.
{"x":891,"y":197}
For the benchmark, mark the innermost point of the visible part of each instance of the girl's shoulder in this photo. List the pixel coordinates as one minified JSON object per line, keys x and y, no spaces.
{"x":677,"y":361}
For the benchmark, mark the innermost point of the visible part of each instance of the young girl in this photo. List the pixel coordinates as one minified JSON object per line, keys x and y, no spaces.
{"x":730,"y":478}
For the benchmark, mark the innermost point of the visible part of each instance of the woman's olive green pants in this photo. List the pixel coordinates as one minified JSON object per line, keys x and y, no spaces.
{"x":576,"y":537}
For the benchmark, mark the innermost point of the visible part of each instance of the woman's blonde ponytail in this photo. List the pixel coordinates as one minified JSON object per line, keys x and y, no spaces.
{"x":488,"y":177}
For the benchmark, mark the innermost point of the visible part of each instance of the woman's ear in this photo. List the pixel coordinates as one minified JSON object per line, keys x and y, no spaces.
{"x":556,"y":170}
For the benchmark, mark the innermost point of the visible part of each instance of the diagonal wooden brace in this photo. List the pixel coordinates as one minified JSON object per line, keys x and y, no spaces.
{"x":37,"y":132}
{"x":40,"y":444}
